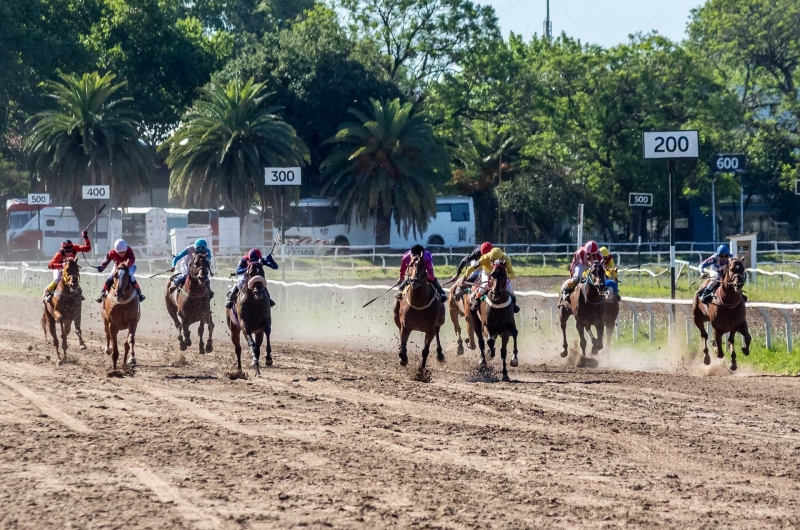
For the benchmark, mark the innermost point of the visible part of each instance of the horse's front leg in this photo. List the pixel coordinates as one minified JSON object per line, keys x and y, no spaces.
{"x":581,"y":333}
{"x":439,"y":353}
{"x":514,"y":360}
{"x":745,"y":332}
{"x":131,"y":341}
{"x":719,"y":347}
{"x":114,"y":347}
{"x":78,"y":331}
{"x":267,"y":332}
{"x":187,"y":339}
{"x":404,"y":334}
{"x":426,"y":349}
{"x":482,"y":347}
{"x":51,"y":326}
{"x":259,"y":338}
{"x":490,"y":342}
{"x":210,"y":342}
{"x":65,"y":328}
{"x":699,"y":322}
{"x":732,"y":349}
{"x":503,"y":353}
{"x":201,"y":347}
{"x":564,"y":345}
{"x":251,"y":345}
{"x":455,"y":315}
{"x":598,"y":344}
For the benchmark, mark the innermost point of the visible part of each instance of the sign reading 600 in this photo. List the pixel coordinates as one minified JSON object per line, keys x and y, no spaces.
{"x":282,"y":176}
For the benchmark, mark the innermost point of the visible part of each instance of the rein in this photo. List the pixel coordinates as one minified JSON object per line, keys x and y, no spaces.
{"x":585,"y":289}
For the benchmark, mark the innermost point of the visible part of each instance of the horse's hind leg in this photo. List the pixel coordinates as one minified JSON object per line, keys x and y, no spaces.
{"x":78,"y":331}
{"x":259,"y":342}
{"x":132,"y":342}
{"x":236,"y":336}
{"x":564,"y":345}
{"x":51,"y":325}
{"x":598,"y":344}
{"x":454,"y":317}
{"x":719,"y":347}
{"x":210,"y":342}
{"x":482,"y":347}
{"x":439,"y":354}
{"x":732,"y":349}
{"x":514,"y":360}
{"x":65,"y":328}
{"x":700,"y":323}
{"x":503,"y":353}
{"x":745,"y":332}
{"x":581,"y":332}
{"x":404,"y":334}
{"x":201,"y":347}
{"x":267,"y":332}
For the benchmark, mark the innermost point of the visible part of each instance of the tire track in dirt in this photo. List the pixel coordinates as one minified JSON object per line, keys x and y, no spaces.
{"x":46,"y":409}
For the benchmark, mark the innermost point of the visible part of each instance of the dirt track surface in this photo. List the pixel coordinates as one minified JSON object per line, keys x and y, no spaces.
{"x":343,"y":437}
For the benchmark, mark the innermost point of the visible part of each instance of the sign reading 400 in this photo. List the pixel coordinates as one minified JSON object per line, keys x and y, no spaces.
{"x":282,"y":176}
{"x":96,"y":192}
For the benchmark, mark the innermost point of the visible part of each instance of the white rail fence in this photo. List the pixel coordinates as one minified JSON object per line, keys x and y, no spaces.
{"x":334,"y":301}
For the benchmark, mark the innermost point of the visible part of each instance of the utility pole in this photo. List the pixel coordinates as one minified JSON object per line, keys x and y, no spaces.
{"x":548,"y":24}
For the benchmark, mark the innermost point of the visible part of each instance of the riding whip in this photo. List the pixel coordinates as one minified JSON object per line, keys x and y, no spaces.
{"x":382,"y":294}
{"x":159,"y":273}
{"x":103,"y":207}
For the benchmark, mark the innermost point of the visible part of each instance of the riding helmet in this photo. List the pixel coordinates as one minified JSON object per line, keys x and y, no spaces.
{"x":120,"y":246}
{"x":254,"y":255}
{"x":200,"y":245}
{"x":723,"y":250}
{"x":417,"y":250}
{"x":604,"y":252}
{"x":486,"y":248}
{"x":66,"y":246}
{"x":590,"y":247}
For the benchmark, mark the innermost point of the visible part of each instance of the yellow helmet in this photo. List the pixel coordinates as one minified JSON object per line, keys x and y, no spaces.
{"x":604,"y":251}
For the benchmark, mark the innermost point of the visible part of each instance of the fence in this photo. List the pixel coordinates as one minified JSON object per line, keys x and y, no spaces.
{"x":331,"y":309}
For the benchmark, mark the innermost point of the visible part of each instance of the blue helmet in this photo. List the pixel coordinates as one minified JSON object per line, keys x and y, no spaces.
{"x":723,"y":250}
{"x":201,"y":245}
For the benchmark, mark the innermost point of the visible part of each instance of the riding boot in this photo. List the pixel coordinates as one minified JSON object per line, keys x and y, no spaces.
{"x":231,"y":296}
{"x":708,"y":295}
{"x":440,"y":290}
{"x":400,"y":288}
{"x":271,"y":301}
{"x":210,"y":292}
{"x":106,"y":287}
{"x":142,"y":297}
{"x":514,"y":303}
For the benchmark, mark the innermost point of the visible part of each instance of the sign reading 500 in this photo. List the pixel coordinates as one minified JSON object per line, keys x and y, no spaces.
{"x":282,"y":176}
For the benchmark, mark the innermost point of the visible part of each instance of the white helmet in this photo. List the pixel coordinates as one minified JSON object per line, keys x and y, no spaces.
{"x":120,"y":246}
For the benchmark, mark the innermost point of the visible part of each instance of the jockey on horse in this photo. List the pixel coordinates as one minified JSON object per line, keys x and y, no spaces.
{"x":469,"y":260}
{"x":712,"y":267}
{"x":419,"y":250}
{"x":611,"y":269}
{"x":581,"y":261}
{"x":484,"y":267}
{"x":68,"y":251}
{"x":121,"y":253}
{"x":182,"y":260}
{"x":254,"y":256}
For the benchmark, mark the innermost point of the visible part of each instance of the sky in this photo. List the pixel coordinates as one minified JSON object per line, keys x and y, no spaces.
{"x":604,"y":22}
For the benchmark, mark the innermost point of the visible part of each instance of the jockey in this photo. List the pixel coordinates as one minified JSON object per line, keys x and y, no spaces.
{"x":121,"y":253}
{"x":470,"y":259}
{"x":254,"y":256}
{"x":711,"y":268}
{"x":608,"y":264}
{"x":68,"y":251}
{"x":184,"y":258}
{"x":419,"y":250}
{"x":581,"y":261}
{"x":484,"y":266}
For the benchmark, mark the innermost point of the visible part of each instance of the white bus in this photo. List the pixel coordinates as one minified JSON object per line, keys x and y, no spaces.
{"x":311,"y":225}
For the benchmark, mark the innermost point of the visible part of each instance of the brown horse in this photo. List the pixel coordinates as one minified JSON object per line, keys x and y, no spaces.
{"x":610,"y":312}
{"x":251,"y":314}
{"x":495,"y":317}
{"x":191,"y":303}
{"x":457,"y":309}
{"x":587,"y":304}
{"x":727,"y":312}
{"x":64,"y":308}
{"x":120,"y":311}
{"x":420,"y":309}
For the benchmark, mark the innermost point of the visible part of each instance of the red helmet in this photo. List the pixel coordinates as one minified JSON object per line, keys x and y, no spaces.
{"x":254,"y":255}
{"x":67,"y":246}
{"x":590,"y":247}
{"x":486,"y":248}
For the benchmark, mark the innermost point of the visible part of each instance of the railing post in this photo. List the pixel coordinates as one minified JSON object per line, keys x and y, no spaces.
{"x":767,"y":325}
{"x":685,"y":311}
{"x":787,"y":317}
{"x":652,"y":322}
{"x":635,"y":313}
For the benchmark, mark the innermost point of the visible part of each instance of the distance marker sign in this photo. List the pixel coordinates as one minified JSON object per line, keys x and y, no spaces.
{"x":282,"y":176}
{"x":642,"y":200}
{"x":671,"y":144}
{"x":97,"y":192}
{"x":39,"y":199}
{"x":728,"y":163}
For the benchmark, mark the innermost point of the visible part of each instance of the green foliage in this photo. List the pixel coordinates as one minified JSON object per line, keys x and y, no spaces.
{"x":91,"y":137}
{"x":386,"y":164}
{"x":223,"y":145}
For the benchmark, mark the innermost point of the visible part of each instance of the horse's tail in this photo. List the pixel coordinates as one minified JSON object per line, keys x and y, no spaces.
{"x":44,"y":322}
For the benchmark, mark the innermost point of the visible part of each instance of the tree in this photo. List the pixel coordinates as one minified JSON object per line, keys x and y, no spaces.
{"x":386,"y":164}
{"x":92,"y":137}
{"x":223,"y":145}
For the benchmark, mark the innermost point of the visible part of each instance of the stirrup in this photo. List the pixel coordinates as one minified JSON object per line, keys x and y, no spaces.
{"x":142,"y":297}
{"x":516,"y":308}
{"x":271,"y":302}
{"x":100,"y":298}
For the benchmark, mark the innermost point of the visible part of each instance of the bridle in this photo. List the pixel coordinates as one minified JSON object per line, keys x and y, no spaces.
{"x":417,"y":280}
{"x":199,"y":263}
{"x":596,"y":267}
{"x":67,"y":278}
{"x":499,"y":286}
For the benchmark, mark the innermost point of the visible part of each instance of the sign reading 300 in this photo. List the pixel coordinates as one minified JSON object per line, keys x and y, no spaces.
{"x":282,"y":176}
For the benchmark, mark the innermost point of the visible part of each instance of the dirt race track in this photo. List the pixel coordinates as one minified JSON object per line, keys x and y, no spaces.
{"x":337,"y":436}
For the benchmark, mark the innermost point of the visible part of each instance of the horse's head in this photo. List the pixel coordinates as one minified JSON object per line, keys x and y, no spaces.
{"x":122,"y":281}
{"x":597,"y":276}
{"x":417,"y":274}
{"x":71,"y":274}
{"x":498,"y":278}
{"x":254,"y":276}
{"x":735,"y":274}
{"x":200,"y":267}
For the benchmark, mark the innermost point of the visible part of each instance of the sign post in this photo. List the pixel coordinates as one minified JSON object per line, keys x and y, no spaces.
{"x":39,"y":200}
{"x":282,"y":176}
{"x":671,"y":145}
{"x":97,"y":192}
{"x":729,"y":163}
{"x":639,"y":201}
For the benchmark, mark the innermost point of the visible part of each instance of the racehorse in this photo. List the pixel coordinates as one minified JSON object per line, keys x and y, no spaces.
{"x":727,"y":312}
{"x":64,"y":308}
{"x":120,"y":311}
{"x":420,"y":309}
{"x":587,"y":304}
{"x":190,"y":304}
{"x":457,"y":309}
{"x":251,"y":315}
{"x":610,"y":312}
{"x":495,"y":317}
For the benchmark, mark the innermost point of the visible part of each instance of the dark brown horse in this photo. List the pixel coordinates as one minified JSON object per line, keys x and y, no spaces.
{"x":457,"y":309}
{"x":495,"y":317}
{"x":64,"y":308}
{"x":420,"y":309}
{"x":191,"y":303}
{"x":727,"y":312}
{"x":610,"y":312}
{"x":121,"y":311}
{"x":251,"y":315}
{"x":587,"y":304}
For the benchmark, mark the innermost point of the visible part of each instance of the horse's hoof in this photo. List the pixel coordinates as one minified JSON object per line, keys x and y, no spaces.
{"x":59,"y":362}
{"x":720,"y":354}
{"x":132,"y":361}
{"x":734,"y":366}
{"x":514,"y":362}
{"x":564,"y":353}
{"x":746,"y":351}
{"x":471,"y":344}
{"x":268,"y":362}
{"x":707,"y":359}
{"x":209,"y":347}
{"x":201,"y":350}
{"x":586,"y":362}
{"x":404,"y":362}
{"x":440,"y":357}
{"x":491,"y":354}
{"x":108,"y":351}
{"x":188,"y":343}
{"x":83,"y":347}
{"x":505,"y":377}
{"x":183,"y":346}
{"x":460,"y":350}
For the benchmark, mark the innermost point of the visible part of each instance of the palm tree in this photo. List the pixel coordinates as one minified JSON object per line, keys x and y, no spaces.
{"x":92,"y":137}
{"x":223,"y":145}
{"x":385,"y":165}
